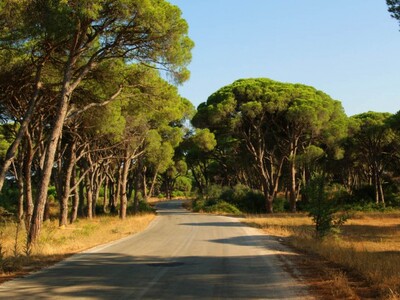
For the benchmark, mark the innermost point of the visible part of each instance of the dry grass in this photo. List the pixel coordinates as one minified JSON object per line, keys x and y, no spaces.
{"x":369,"y":244}
{"x":340,"y":285}
{"x":56,"y":243}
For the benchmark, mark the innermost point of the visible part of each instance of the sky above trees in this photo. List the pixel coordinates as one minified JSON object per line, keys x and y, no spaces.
{"x":348,"y":49}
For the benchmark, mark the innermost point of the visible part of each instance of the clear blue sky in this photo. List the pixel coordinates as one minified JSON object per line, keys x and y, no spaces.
{"x":350,"y":49}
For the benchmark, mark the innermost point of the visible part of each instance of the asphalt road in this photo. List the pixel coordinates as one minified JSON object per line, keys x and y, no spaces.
{"x":180,"y":256}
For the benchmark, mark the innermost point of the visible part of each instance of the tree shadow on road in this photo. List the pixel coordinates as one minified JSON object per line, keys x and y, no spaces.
{"x":118,"y":276}
{"x":215,"y":224}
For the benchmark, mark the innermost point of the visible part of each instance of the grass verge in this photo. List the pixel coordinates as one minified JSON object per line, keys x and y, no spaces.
{"x":368,"y":246}
{"x":57,"y":243}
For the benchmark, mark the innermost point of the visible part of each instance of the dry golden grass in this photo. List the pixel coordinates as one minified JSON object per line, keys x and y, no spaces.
{"x":56,"y":243}
{"x":369,"y":243}
{"x":341,"y":288}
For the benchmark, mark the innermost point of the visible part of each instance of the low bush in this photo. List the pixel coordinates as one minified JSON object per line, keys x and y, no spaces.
{"x":145,"y":207}
{"x":215,"y":206}
{"x":280,"y":204}
{"x":244,"y":198}
{"x":9,"y":196}
{"x":222,"y":207}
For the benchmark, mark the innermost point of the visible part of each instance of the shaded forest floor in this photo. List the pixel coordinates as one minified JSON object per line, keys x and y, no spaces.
{"x":362,"y":262}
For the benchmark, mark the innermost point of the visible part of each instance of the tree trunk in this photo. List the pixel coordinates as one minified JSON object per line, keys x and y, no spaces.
{"x":113,"y":196}
{"x":67,"y":87}
{"x":46,"y":213}
{"x":137,"y":187}
{"x":381,"y":193}
{"x":81,"y":196}
{"x":292,"y":187}
{"x":269,"y":199}
{"x":105,"y":199}
{"x":117,"y":190}
{"x":20,"y":182}
{"x":153,"y":182}
{"x":37,"y":217}
{"x":97,"y":183}
{"x":69,"y":166}
{"x":89,"y":198}
{"x":123,"y":183}
{"x":27,"y":167}
{"x":196,"y":179}
{"x":144,"y":184}
{"x":75,"y":198}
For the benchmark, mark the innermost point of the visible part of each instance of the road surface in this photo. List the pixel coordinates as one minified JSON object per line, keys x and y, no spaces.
{"x":180,"y":256}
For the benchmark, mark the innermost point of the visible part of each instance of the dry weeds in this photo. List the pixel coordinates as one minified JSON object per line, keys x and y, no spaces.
{"x":369,"y":244}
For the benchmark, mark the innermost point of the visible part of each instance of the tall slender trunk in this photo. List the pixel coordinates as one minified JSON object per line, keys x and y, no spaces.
{"x":37,"y":217}
{"x":381,"y":193}
{"x":68,"y":172}
{"x":89,"y":197}
{"x":144,"y":184}
{"x":153,"y":183}
{"x":75,"y":198}
{"x":375,"y":182}
{"x":378,"y":185}
{"x":137,"y":187}
{"x":293,"y":171}
{"x":292,"y":186}
{"x":20,"y":183}
{"x":112,"y":188}
{"x":27,"y":166}
{"x":97,"y":183}
{"x":123,"y":182}
{"x":197,"y":180}
{"x":105,"y":199}
{"x":68,"y":86}
{"x":117,"y":189}
{"x":81,"y":195}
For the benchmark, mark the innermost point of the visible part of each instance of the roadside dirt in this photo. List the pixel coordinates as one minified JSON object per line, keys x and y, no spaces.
{"x":326,"y":280}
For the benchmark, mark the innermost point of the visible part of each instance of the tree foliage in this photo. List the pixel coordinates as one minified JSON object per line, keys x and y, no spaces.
{"x":394,"y":8}
{"x":74,"y":71}
{"x":272,"y":123}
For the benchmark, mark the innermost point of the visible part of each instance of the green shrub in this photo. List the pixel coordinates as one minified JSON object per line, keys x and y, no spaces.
{"x":52,"y":192}
{"x":393,"y":200}
{"x":214,"y":191}
{"x":9,"y":197}
{"x":214,"y":206}
{"x":280,"y":204}
{"x":183,"y":185}
{"x":324,"y":211}
{"x":363,"y":195}
{"x":222,"y":207}
{"x":145,"y":207}
{"x":244,"y":198}
{"x":364,"y":207}
{"x":178,"y":194}
{"x":198,"y":205}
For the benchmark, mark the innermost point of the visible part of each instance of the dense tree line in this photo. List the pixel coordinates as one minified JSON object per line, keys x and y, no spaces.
{"x":273,"y":136}
{"x":82,"y":100}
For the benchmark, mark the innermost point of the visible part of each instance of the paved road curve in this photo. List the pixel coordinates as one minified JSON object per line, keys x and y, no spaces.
{"x":180,"y":256}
